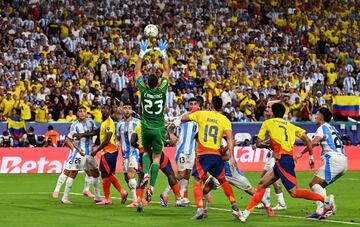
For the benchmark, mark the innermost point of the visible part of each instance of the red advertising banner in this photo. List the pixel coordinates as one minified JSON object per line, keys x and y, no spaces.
{"x":52,"y":160}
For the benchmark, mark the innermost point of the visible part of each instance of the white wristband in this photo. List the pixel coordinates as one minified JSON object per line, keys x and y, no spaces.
{"x":142,"y":54}
{"x":311,"y":157}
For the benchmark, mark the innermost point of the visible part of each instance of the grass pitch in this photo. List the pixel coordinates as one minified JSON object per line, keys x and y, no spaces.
{"x":25,"y":200}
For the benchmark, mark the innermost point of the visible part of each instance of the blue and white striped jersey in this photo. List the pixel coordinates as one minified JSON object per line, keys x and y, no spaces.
{"x":124,"y":129}
{"x":186,"y":143}
{"x":331,"y":140}
{"x":86,"y":143}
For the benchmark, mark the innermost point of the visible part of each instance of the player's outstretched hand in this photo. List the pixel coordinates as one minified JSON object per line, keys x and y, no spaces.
{"x":144,"y":44}
{"x":162,"y":46}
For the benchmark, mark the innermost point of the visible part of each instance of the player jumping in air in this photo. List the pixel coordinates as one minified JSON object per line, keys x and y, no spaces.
{"x":153,"y":100}
{"x":333,"y":155}
{"x":212,"y":126}
{"x":79,"y":158}
{"x":124,"y":130}
{"x":165,"y":166}
{"x":282,"y":138}
{"x":109,"y":155}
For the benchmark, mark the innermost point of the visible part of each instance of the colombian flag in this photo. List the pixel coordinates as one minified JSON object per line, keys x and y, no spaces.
{"x":347,"y":106}
{"x":16,"y":128}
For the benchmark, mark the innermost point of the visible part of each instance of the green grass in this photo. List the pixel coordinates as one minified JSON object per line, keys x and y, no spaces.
{"x":25,"y":200}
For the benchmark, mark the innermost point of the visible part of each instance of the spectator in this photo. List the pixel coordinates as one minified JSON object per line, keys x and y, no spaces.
{"x":30,"y":138}
{"x":42,"y":113}
{"x":71,"y":117}
{"x":25,"y":109}
{"x":52,"y":137}
{"x":306,"y":110}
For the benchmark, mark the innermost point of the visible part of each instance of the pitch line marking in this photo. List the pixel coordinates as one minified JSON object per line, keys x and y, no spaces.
{"x":210,"y":208}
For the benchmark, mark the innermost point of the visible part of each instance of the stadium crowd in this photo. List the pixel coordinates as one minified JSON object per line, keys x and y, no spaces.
{"x":57,"y":55}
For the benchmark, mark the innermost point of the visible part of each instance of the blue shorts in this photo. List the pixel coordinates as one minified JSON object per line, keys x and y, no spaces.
{"x":208,"y":163}
{"x":165,"y":164}
{"x":284,"y":169}
{"x":108,"y":162}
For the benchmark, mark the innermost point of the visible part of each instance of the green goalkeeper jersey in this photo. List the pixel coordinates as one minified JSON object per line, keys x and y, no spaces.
{"x":153,"y":102}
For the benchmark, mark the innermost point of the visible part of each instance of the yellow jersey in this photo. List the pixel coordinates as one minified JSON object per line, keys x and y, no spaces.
{"x":108,"y":126}
{"x":211,"y":129}
{"x":137,"y":131}
{"x":282,"y":135}
{"x":25,"y":110}
{"x":41,"y":114}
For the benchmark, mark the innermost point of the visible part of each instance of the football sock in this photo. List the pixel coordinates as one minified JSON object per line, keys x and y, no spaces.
{"x":205,"y":200}
{"x":256,"y":198}
{"x":167,"y":190}
{"x":60,"y":182}
{"x":116,"y":183}
{"x":307,"y":194}
{"x":198,"y":195}
{"x":132,"y":186}
{"x":154,"y":173}
{"x":96,"y":184}
{"x":68,"y":186}
{"x":106,"y":187}
{"x":183,"y":187}
{"x":228,"y":192}
{"x":186,"y":195}
{"x":322,"y":191}
{"x":280,"y":198}
{"x":139,"y":194}
{"x":266,"y":196}
{"x":88,"y":181}
{"x":146,"y":162}
{"x":176,"y":189}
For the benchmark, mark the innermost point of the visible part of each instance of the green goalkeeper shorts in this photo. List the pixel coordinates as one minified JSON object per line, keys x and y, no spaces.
{"x":153,"y":139}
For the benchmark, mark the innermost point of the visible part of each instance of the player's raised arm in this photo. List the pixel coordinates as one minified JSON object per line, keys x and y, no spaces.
{"x":163,"y":45}
{"x":143,"y":51}
{"x":107,"y":139}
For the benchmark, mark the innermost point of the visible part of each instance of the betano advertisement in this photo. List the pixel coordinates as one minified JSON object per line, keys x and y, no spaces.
{"x":52,"y":160}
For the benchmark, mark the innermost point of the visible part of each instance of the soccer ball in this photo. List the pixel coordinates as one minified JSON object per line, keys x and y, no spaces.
{"x":151,"y":30}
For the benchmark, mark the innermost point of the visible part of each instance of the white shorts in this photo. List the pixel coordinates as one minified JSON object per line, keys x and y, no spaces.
{"x":131,"y":162}
{"x":90,"y":163}
{"x":75,"y":161}
{"x":335,"y":165}
{"x":185,"y":161}
{"x":236,"y":179}
{"x":269,"y":164}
